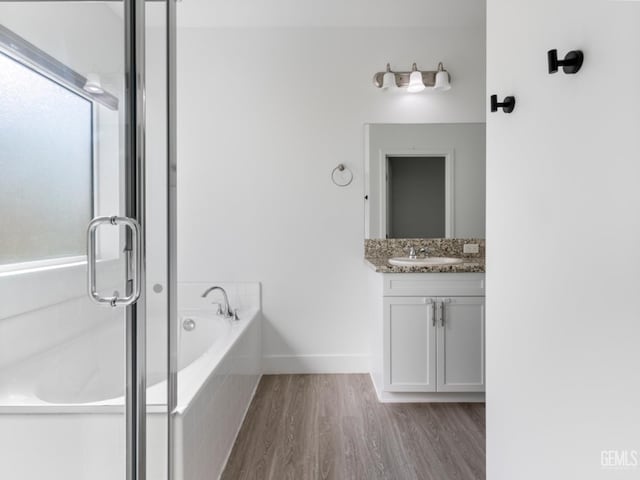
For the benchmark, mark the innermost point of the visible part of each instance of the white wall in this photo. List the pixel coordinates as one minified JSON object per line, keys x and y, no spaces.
{"x":265,"y":114}
{"x":563,"y":230}
{"x":334,"y":13}
{"x":86,"y":37}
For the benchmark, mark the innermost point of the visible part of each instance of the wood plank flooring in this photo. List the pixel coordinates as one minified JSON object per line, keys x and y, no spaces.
{"x":308,"y":427}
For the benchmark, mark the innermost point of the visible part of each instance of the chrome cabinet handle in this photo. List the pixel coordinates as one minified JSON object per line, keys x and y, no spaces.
{"x":115,"y":300}
{"x":433,"y":313}
{"x":442,"y":302}
{"x":432,"y":304}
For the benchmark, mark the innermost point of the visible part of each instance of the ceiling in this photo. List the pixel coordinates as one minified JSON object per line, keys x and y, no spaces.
{"x":326,"y":13}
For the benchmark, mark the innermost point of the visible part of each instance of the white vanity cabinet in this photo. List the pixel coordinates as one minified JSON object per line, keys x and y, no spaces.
{"x":431,"y":337}
{"x":410,"y":344}
{"x":460,"y":345}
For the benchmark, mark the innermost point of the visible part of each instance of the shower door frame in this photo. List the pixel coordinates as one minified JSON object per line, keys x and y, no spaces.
{"x":136,"y":412}
{"x":135,"y":177}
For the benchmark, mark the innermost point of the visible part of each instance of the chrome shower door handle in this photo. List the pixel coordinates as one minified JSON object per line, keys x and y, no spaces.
{"x":136,"y":246}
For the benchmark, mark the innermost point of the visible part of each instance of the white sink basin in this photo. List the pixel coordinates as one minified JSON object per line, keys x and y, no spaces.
{"x":424,"y":262}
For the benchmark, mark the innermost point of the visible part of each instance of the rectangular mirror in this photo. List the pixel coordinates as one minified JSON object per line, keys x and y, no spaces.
{"x":425,"y":180}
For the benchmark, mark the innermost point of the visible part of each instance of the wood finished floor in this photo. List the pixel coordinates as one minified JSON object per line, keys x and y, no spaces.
{"x":307,"y":427}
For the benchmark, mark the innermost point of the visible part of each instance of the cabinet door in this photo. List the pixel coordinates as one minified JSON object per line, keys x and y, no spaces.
{"x":461,"y":345}
{"x":409,"y":344}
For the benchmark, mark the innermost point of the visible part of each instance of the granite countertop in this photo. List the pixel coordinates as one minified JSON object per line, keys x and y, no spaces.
{"x":377,"y":252}
{"x":470,"y":265}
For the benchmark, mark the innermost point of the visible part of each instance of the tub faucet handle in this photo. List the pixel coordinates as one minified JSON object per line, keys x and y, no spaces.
{"x":219,"y":305}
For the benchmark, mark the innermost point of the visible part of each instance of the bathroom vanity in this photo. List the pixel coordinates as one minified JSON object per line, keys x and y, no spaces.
{"x":428,"y":333}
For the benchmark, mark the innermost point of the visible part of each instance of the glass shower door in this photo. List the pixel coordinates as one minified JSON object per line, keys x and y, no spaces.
{"x":73,"y":383}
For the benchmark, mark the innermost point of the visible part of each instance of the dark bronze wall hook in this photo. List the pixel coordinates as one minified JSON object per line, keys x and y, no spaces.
{"x":507,"y":105}
{"x":571,"y":63}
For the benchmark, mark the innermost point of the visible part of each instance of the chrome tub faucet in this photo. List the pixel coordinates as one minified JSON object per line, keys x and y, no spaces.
{"x":224,"y":309}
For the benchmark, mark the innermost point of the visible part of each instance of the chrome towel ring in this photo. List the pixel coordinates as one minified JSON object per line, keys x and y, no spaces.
{"x":341,"y":176}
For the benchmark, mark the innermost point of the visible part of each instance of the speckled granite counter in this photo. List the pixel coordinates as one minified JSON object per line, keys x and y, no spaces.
{"x":377,"y":253}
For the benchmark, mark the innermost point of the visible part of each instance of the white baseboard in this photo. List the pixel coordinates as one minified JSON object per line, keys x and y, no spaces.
{"x":419,"y":397}
{"x":275,"y":364}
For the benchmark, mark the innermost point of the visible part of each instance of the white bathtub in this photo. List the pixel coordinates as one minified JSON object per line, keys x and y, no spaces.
{"x":66,"y":405}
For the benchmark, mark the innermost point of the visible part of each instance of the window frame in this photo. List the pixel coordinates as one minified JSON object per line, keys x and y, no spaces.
{"x":62,"y":261}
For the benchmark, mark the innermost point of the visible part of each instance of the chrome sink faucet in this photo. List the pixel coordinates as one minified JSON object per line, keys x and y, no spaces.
{"x":224,"y":309}
{"x":412,"y":252}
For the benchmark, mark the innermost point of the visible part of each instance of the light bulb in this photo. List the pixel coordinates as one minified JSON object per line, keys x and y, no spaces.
{"x":415,"y":81}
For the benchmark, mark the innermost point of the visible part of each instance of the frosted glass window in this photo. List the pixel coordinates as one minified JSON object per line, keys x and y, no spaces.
{"x":46,"y":166}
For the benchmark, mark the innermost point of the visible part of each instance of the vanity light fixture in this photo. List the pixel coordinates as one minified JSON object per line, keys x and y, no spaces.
{"x":415,"y":80}
{"x":93,"y":84}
